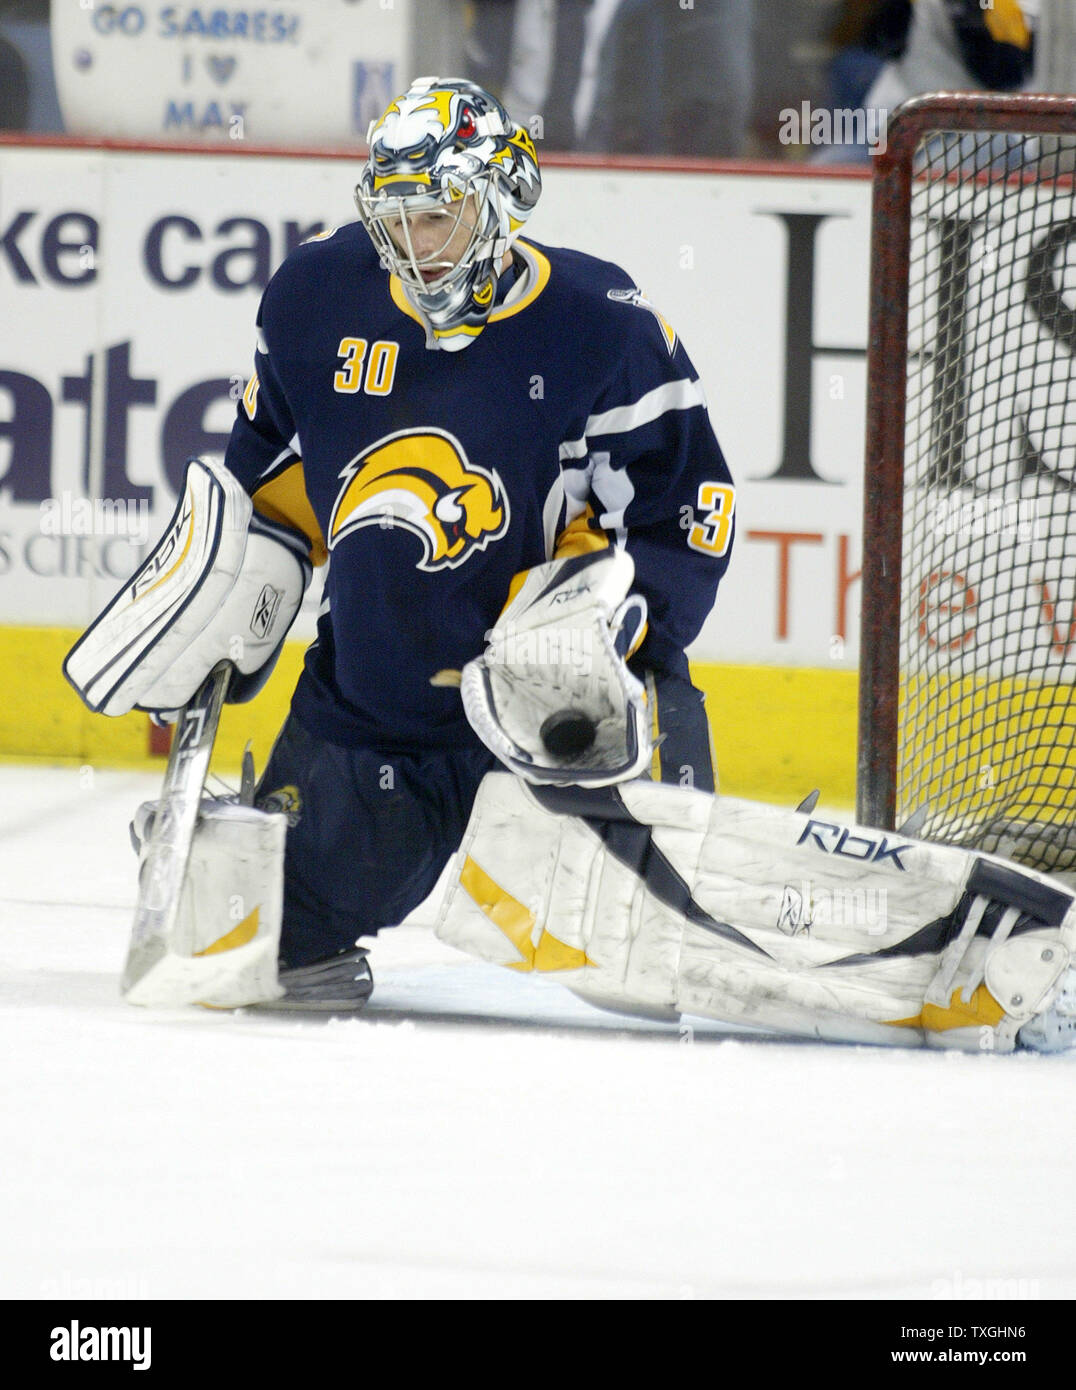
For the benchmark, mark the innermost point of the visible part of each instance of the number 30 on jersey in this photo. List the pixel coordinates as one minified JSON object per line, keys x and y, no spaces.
{"x":373,"y":371}
{"x":713,"y":534}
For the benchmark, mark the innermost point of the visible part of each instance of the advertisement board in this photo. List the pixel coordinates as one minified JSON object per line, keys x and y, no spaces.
{"x":129,"y":285}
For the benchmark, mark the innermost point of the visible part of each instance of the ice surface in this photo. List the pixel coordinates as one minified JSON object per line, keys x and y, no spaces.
{"x":476,"y":1133}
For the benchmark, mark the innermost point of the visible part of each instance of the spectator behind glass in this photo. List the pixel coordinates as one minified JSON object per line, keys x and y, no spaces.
{"x":675,"y":81}
{"x":867,"y":35}
{"x":487,"y":42}
{"x":951,"y":45}
{"x":14,"y":88}
{"x":960,"y":45}
{"x":529,"y":54}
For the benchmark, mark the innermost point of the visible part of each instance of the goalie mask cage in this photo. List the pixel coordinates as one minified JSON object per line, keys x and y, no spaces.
{"x":968,"y":659}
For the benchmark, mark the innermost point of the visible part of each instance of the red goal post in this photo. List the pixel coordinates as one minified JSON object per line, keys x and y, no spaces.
{"x":967,"y":710}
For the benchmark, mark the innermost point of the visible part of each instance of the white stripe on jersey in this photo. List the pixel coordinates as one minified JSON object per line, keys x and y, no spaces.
{"x":576,"y":489}
{"x":569,"y":493}
{"x":551,"y":516}
{"x":291,"y":452}
{"x":614,"y":490}
{"x":674,"y":395}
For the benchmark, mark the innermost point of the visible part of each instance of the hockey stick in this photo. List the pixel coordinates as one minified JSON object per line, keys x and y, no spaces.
{"x":165,"y":866}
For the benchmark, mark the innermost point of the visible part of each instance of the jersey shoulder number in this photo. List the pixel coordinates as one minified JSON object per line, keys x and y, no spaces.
{"x":713,"y":534}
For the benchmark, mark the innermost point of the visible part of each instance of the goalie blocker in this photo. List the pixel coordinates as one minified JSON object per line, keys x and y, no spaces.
{"x":203,"y":618}
{"x":659,"y":900}
{"x":221,"y":585}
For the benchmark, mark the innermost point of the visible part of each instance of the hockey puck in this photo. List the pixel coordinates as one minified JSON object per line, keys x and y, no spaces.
{"x":568,"y":733}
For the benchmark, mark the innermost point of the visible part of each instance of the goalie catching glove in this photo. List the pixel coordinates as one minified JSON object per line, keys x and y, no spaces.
{"x":213,"y":589}
{"x":552,"y":695}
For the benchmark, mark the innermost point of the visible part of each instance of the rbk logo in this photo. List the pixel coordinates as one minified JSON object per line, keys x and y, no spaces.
{"x":838,"y":839}
{"x":421,"y":480}
{"x":265,"y":610}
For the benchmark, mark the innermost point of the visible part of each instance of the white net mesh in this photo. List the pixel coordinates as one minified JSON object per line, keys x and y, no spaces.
{"x":987,"y":712}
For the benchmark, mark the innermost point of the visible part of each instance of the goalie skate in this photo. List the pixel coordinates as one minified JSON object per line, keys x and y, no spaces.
{"x":339,"y":985}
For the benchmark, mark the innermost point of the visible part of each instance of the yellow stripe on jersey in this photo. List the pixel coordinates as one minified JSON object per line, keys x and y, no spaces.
{"x":250,"y":397}
{"x":542,"y":269}
{"x":284,"y":499}
{"x":578,"y":538}
{"x":655,"y":727}
{"x":400,"y":299}
{"x":668,"y":330}
{"x":514,"y":587}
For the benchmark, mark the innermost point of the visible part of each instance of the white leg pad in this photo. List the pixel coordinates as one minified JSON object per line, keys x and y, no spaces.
{"x":709,"y":924}
{"x":223,"y":951}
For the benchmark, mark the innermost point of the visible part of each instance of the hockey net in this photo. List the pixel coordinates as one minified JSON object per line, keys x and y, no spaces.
{"x":968,"y":665}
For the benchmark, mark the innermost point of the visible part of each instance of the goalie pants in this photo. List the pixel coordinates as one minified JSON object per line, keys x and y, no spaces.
{"x":370,"y":831}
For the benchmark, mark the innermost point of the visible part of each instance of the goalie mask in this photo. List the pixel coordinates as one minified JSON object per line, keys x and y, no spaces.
{"x":449,"y":149}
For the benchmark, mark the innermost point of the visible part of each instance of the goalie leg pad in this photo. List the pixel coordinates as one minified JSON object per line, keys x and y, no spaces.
{"x":673,"y":901}
{"x":212,"y":590}
{"x":223,"y":948}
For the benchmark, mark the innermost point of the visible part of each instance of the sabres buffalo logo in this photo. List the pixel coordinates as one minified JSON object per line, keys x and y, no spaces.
{"x":422,"y":481}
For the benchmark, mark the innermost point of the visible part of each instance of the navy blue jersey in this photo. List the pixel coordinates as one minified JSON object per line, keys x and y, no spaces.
{"x":573,"y":420}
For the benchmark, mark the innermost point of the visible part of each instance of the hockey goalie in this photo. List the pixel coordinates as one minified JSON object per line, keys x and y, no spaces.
{"x":504,"y":453}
